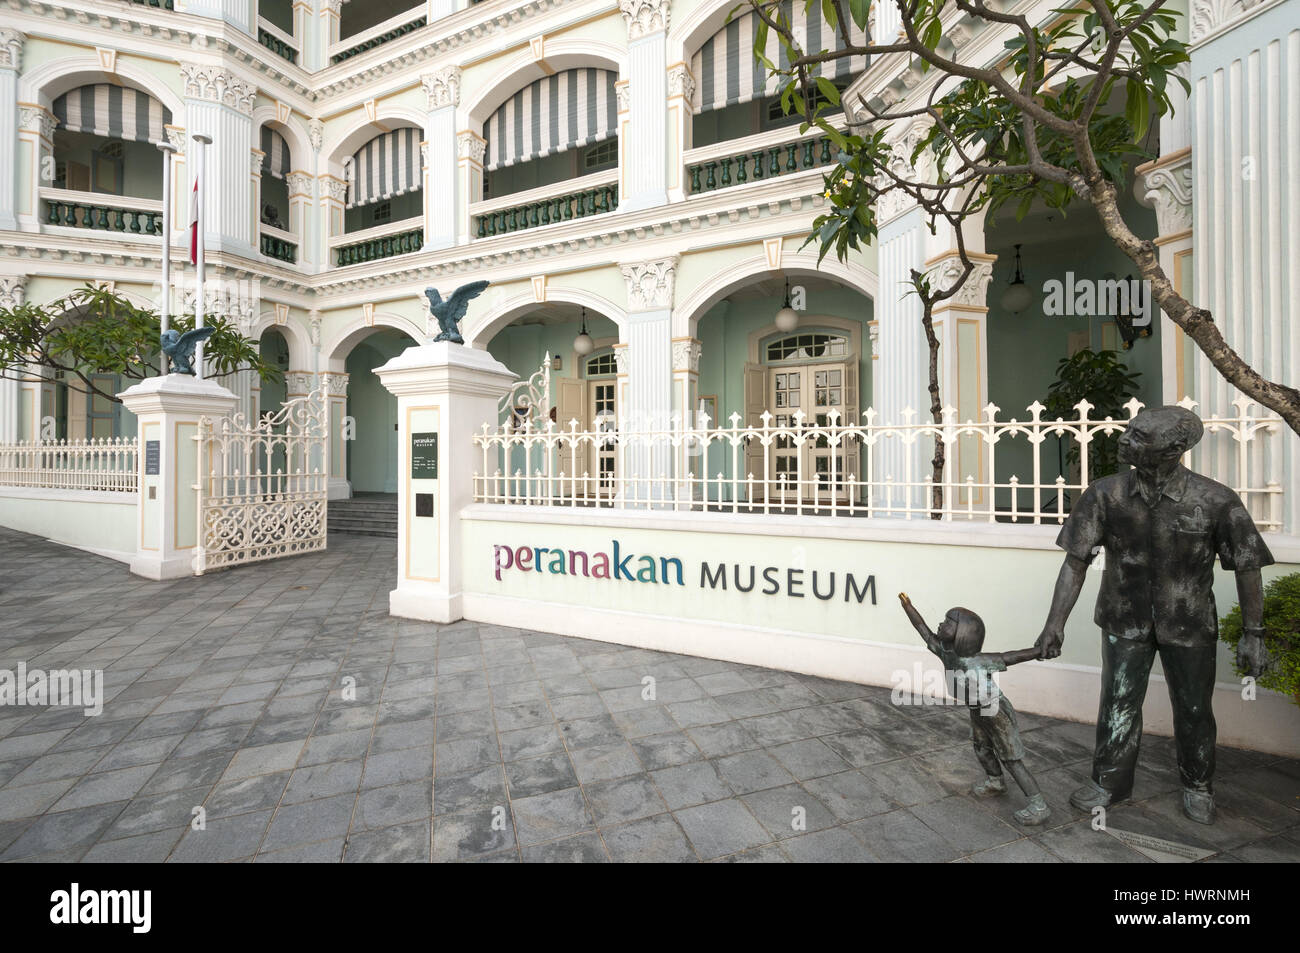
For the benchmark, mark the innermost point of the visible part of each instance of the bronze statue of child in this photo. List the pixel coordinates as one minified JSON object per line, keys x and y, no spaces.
{"x":969,"y":675}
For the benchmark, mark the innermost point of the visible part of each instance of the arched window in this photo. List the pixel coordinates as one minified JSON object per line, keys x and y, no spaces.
{"x":600,"y":364}
{"x":806,"y":346}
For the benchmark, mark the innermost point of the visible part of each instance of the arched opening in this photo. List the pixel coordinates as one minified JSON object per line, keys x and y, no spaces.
{"x":820,"y":369}
{"x":371,"y":438}
{"x":736,"y":99}
{"x":384,"y":212}
{"x":107,"y":167}
{"x":279,"y":212}
{"x":274,"y":348}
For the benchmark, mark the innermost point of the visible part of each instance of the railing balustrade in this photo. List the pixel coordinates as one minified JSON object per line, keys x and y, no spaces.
{"x":754,"y":165}
{"x":383,"y":246}
{"x":666,"y":468}
{"x":276,"y":45}
{"x":111,"y":213}
{"x":378,"y":39}
{"x":105,"y":465}
{"x":278,"y":248}
{"x":547,"y":211}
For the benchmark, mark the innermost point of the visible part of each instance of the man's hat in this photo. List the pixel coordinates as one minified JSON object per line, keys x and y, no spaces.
{"x":1182,"y":426}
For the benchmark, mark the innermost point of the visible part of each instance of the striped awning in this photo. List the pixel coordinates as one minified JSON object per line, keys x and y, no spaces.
{"x":568,"y":109}
{"x":385,"y":166}
{"x":275,"y":153}
{"x":113,"y":111}
{"x":727,"y":72}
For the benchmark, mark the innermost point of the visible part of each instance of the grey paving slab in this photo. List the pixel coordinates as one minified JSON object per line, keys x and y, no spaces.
{"x":481,"y":743}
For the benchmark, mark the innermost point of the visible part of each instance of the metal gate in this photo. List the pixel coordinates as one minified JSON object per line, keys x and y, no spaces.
{"x":263,"y":488}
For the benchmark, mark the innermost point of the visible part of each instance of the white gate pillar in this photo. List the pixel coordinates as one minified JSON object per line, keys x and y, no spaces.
{"x":167,"y":410}
{"x":445,"y":393}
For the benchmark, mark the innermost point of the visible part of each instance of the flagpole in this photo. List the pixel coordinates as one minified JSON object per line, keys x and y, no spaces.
{"x":204,"y":142}
{"x":164,"y":311}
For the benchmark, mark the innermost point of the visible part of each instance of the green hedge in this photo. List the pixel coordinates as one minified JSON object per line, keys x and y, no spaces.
{"x":1282,"y":638}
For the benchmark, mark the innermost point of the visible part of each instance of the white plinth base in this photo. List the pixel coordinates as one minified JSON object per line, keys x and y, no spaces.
{"x":153,"y":567}
{"x":426,"y":603}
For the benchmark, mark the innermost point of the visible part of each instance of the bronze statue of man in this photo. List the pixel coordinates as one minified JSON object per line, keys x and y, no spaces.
{"x":1161,"y":526}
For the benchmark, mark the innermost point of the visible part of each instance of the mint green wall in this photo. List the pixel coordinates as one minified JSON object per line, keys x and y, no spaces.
{"x":406,"y":205}
{"x":521,"y":347}
{"x":1024,"y":349}
{"x":274,"y":350}
{"x":141,"y":167}
{"x":548,"y":170}
{"x":372,"y":456}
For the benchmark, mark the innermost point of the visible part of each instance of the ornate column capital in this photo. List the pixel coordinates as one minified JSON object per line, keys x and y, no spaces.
{"x":13,"y":290}
{"x":644,"y":17}
{"x":686,"y":355}
{"x":37,"y":119}
{"x":470,"y":145}
{"x":298,"y":382}
{"x":333,"y":188}
{"x":177,"y":139}
{"x":681,"y":82}
{"x":216,"y":84}
{"x":1166,"y":186}
{"x":256,"y":156}
{"x":1208,"y":17}
{"x":299,"y":183}
{"x":974,"y":291}
{"x":11,"y":49}
{"x":623,"y":95}
{"x":335,"y":383}
{"x":650,"y":284}
{"x":443,"y":87}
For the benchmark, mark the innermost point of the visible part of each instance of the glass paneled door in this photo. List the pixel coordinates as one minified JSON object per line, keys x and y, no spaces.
{"x":604,"y":420}
{"x":808,"y":469}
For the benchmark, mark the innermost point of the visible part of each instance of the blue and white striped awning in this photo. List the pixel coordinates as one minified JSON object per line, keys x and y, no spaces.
{"x":275,"y":153}
{"x":385,"y":166}
{"x":113,"y":111}
{"x":727,"y":71}
{"x":568,"y":109}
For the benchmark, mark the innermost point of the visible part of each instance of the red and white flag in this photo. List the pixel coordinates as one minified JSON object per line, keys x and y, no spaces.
{"x":194,"y":224}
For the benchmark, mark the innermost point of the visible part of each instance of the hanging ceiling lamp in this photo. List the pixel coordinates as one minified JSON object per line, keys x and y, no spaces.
{"x":787,"y":319}
{"x":583,"y":344}
{"x":1017,"y":296}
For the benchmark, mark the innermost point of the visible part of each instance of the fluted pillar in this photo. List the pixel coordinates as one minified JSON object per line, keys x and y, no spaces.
{"x":645,"y":128}
{"x":443,"y":199}
{"x":11,"y":52}
{"x":649,"y":404}
{"x":13,"y":290}
{"x":219,"y":104}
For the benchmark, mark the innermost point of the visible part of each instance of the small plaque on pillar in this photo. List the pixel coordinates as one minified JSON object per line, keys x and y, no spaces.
{"x":424,"y":456}
{"x":152,"y":457}
{"x":424,"y":504}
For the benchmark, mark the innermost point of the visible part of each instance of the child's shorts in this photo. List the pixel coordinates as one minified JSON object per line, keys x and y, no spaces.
{"x":997,"y":731}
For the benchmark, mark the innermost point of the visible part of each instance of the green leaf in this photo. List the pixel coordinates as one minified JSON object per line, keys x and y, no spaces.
{"x":1137,"y":109}
{"x":860,"y":11}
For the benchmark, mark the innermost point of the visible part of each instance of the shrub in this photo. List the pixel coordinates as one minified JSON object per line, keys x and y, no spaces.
{"x":1282,"y":634}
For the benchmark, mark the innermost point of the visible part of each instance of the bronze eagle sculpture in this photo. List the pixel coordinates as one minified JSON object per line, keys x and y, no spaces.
{"x":179,"y":348}
{"x":450,"y":312}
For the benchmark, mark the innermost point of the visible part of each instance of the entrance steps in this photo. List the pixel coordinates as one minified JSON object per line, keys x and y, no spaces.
{"x":373,"y":515}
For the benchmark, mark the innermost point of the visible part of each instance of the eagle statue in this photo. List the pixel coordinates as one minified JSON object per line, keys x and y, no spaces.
{"x":179,"y":347}
{"x":450,"y":312}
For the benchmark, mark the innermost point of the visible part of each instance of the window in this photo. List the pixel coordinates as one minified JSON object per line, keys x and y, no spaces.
{"x":107,"y":168}
{"x":807,"y":346}
{"x":602,"y":365}
{"x":603,"y":155}
{"x":381,"y":213}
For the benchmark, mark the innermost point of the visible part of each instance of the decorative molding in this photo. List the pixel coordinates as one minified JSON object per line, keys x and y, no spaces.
{"x":623,"y":95}
{"x":13,"y":291}
{"x":335,"y":383}
{"x":37,"y":119}
{"x":316,"y":134}
{"x":107,"y":59}
{"x":1168,"y":190}
{"x":313,"y":323}
{"x":177,"y":138}
{"x":686,"y":355}
{"x":1210,"y":17}
{"x":470,"y":145}
{"x":443,"y":87}
{"x":773,"y":251}
{"x":644,"y":17}
{"x":299,"y":183}
{"x":299,"y":382}
{"x":11,"y":49}
{"x":539,"y":289}
{"x":650,"y":284}
{"x":681,"y":82}
{"x":622,"y":359}
{"x":974,"y":291}
{"x":333,"y":188}
{"x":257,"y":156}
{"x":216,"y":84}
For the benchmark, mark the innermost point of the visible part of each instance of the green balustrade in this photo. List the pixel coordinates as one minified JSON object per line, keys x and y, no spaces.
{"x":373,"y":249}
{"x":156,"y":4}
{"x":759,"y":164}
{"x":374,"y":41}
{"x":279,"y":249}
{"x":277,"y":45}
{"x":562,"y":208}
{"x":106,"y":218}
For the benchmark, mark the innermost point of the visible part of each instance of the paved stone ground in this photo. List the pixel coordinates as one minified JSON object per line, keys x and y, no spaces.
{"x":224,"y":692}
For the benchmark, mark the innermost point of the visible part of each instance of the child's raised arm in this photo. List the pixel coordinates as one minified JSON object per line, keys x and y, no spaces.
{"x":1017,"y":656}
{"x":931,"y":640}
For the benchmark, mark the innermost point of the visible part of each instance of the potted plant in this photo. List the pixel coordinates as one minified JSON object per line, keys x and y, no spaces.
{"x":1103,"y":380}
{"x":1282,"y":634}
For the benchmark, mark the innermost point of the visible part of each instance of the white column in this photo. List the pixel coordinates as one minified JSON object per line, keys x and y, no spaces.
{"x":649,"y":357}
{"x":470,"y":149}
{"x":11,"y":54}
{"x":681,"y":92}
{"x":35,"y":144}
{"x":437,"y":9}
{"x":306,"y":30}
{"x":644,"y":130}
{"x":445,"y":392}
{"x":238,"y":13}
{"x":442,"y":197}
{"x":167,"y":411}
{"x":13,"y":290}
{"x":219,"y":105}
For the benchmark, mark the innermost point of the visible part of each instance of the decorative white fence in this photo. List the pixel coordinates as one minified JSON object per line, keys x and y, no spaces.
{"x":106,"y":465}
{"x":263,"y":486}
{"x":827,"y":469}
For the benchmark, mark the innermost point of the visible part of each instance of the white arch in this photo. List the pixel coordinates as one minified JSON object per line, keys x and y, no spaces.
{"x":340,"y":146}
{"x":521,"y":70}
{"x":687,"y":312}
{"x":688,"y":34}
{"x":49,"y":81}
{"x":479,"y":331}
{"x":299,"y":341}
{"x":336,"y":350}
{"x":300,"y":150}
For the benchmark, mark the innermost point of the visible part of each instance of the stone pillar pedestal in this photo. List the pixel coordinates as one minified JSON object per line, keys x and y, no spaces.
{"x":445,"y":393}
{"x":168,"y":410}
